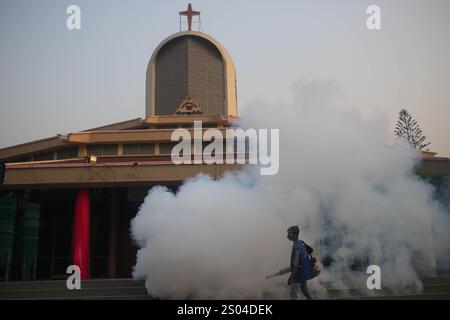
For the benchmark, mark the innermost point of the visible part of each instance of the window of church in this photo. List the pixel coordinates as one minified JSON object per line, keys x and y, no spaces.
{"x":131,"y":149}
{"x":147,"y":148}
{"x":168,"y":127}
{"x":110,"y":149}
{"x":102,"y":150}
{"x":67,"y":153}
{"x":166,"y":148}
{"x":44,"y":156}
{"x":139,"y":149}
{"x":22,"y":159}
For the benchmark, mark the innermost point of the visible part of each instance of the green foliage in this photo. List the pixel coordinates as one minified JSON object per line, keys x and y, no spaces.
{"x":408,"y":129}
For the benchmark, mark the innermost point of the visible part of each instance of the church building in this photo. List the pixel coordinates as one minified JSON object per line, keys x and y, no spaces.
{"x":69,"y":199}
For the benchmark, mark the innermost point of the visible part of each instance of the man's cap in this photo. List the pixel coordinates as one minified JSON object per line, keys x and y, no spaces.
{"x":293,"y":229}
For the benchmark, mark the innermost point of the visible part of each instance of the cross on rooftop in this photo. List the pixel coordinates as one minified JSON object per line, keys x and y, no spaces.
{"x":189,"y":13}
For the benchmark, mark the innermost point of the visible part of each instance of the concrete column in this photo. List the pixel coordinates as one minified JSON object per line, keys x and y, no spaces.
{"x":114,"y":216}
{"x":82,"y":151}
{"x":81,"y":233}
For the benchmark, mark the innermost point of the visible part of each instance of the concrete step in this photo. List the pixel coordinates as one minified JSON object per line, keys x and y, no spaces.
{"x":421,"y":296}
{"x":61,"y":284}
{"x":437,"y":287}
{"x":90,"y":289}
{"x":435,"y":280}
{"x":56,"y":294}
{"x":443,"y":273}
{"x":427,"y":289}
{"x":128,"y":297}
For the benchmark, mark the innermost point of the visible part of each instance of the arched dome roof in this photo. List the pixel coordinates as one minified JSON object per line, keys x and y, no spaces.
{"x":229,"y":73}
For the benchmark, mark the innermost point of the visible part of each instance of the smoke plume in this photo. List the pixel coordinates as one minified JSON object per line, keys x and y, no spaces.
{"x":353,"y":194}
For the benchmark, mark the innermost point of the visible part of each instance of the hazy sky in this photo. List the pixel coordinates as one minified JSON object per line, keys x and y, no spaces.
{"x":53,"y":80}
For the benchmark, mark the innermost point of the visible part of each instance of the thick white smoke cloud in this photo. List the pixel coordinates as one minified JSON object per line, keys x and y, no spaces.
{"x":340,"y":180}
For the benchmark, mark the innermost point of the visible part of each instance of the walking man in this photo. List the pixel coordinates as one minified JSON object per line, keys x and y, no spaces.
{"x":301,"y":268}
